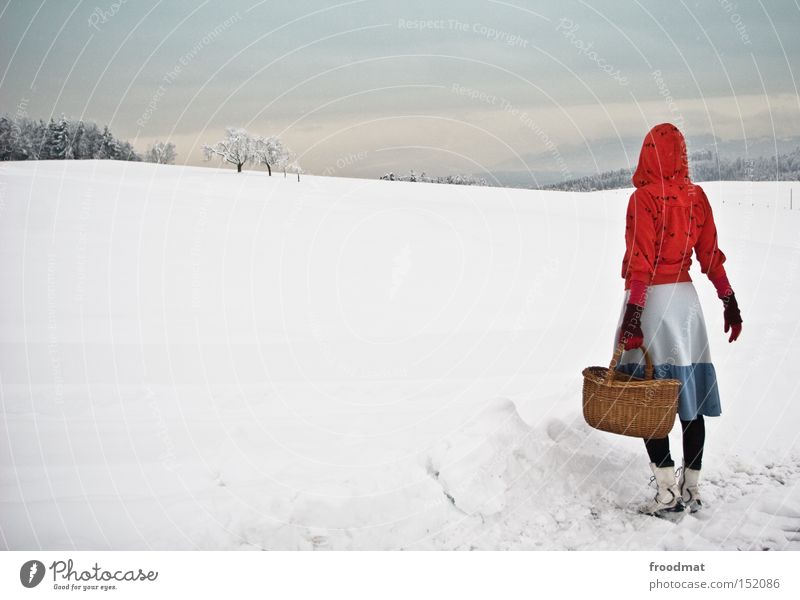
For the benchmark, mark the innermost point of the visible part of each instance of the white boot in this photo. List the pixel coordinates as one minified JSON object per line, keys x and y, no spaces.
{"x":690,"y":491}
{"x":668,"y":496}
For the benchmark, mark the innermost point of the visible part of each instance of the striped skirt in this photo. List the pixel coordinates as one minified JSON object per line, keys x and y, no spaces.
{"x":676,"y":339}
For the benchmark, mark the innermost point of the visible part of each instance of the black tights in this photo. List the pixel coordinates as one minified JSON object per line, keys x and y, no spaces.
{"x":694,"y":437}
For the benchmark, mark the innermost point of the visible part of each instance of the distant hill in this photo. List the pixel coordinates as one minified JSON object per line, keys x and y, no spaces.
{"x":703,"y":166}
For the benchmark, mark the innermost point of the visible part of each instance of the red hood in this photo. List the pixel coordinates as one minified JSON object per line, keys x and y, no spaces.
{"x":663,"y":157}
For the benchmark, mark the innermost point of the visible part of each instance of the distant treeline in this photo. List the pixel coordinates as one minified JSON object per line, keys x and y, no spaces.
{"x":451,"y":179}
{"x":28,"y":139}
{"x":704,"y":166}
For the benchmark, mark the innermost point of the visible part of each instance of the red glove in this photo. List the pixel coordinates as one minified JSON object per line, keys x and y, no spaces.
{"x":630,"y":332}
{"x":733,"y":318}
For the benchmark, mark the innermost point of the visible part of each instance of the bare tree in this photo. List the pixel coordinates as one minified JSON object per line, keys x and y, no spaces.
{"x":238,"y":148}
{"x":162,"y":153}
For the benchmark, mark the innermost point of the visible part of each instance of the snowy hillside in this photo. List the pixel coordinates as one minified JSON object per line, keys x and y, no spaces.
{"x":191,"y":358}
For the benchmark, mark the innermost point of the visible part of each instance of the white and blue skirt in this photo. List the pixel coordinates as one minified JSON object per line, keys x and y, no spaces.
{"x":676,"y":339}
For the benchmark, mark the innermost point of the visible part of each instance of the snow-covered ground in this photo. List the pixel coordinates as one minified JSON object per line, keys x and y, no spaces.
{"x":192,"y":358}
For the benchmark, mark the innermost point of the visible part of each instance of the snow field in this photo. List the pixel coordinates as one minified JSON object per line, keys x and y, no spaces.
{"x":191,"y":358}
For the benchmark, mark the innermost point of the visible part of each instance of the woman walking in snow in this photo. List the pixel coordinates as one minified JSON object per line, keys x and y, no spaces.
{"x":668,"y":216}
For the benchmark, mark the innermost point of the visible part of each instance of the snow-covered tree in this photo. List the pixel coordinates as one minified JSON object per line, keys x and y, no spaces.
{"x":109,"y":147}
{"x":272,"y":152}
{"x":126,"y":151}
{"x":238,"y":148}
{"x":89,"y":146}
{"x":32,"y":138}
{"x":75,"y":132}
{"x":10,"y":141}
{"x":425,"y":178}
{"x":56,"y":140}
{"x":293,"y":167}
{"x":162,"y":153}
{"x":26,"y":139}
{"x":290,"y":163}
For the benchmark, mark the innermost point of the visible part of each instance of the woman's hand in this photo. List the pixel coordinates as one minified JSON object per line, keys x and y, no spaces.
{"x":630,"y":332}
{"x":733,"y":318}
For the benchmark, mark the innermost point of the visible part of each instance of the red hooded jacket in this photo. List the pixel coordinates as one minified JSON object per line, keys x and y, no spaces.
{"x":668,"y":216}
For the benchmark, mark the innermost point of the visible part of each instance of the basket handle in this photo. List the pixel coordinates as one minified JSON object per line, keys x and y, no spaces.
{"x":612,"y":367}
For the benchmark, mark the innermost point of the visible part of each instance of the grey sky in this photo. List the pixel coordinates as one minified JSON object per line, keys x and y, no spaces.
{"x":360,"y":87}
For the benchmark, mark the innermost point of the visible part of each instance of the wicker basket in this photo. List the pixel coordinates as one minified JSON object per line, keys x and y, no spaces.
{"x":620,"y":403}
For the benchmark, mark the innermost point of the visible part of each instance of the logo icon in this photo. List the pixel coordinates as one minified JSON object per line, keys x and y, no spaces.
{"x":31,"y":573}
